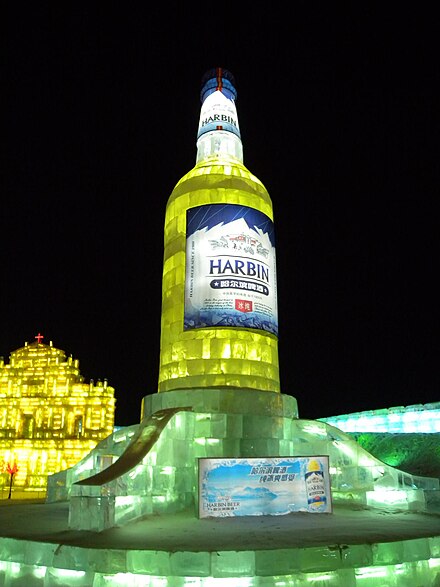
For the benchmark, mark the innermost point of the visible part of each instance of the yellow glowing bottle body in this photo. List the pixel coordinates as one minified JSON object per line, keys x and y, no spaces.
{"x":210,"y":353}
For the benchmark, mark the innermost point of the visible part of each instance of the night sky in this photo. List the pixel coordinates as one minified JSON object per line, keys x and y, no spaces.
{"x":337,"y":105}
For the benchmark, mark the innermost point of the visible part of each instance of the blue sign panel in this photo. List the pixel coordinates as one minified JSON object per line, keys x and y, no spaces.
{"x":264,"y":486}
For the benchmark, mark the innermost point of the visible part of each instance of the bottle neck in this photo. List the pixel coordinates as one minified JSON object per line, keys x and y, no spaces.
{"x":218,"y":134}
{"x":219,"y":144}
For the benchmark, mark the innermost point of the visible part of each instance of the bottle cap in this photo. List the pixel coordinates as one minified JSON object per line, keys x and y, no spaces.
{"x":218,"y":112}
{"x":218,"y":79}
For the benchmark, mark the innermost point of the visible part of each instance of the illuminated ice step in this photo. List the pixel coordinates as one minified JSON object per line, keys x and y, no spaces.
{"x":416,"y":418}
{"x":34,"y":564}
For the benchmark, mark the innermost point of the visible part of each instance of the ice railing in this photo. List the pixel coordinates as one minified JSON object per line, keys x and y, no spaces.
{"x":422,"y":418}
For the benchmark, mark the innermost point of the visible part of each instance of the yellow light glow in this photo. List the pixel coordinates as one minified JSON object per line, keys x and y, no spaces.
{"x":50,"y":418}
{"x":210,"y":357}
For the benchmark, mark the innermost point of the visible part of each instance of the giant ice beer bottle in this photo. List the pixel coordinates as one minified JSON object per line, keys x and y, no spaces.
{"x":219,"y":323}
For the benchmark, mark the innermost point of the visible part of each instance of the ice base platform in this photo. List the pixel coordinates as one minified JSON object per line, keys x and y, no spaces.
{"x":353,"y":547}
{"x":127,"y":513}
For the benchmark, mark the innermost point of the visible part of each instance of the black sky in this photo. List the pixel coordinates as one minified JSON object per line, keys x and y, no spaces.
{"x":337,"y":105}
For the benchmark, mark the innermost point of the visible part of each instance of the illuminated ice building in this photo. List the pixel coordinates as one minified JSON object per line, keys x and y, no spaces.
{"x":136,"y":508}
{"x":49,"y":417}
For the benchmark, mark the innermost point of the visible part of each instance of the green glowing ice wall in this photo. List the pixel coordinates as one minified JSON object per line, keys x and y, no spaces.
{"x":217,"y":356}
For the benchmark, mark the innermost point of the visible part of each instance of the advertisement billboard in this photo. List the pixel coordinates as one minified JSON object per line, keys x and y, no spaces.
{"x":264,"y":486}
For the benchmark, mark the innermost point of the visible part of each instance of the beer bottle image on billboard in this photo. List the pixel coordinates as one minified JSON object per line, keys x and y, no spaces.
{"x":315,"y":486}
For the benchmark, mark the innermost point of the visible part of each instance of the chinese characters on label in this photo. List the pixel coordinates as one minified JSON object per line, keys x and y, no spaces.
{"x":266,"y":486}
{"x":230,"y":268}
